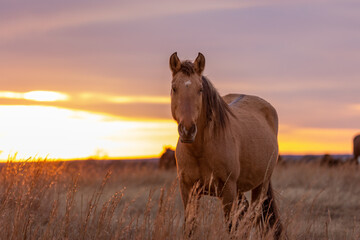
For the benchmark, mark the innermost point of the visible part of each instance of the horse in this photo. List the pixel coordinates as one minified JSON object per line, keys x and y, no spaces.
{"x":227,"y":145}
{"x":167,"y":160}
{"x":330,"y":161}
{"x":356,"y":149}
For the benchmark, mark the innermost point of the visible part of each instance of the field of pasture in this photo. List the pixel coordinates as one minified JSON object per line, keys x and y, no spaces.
{"x":135,"y":200}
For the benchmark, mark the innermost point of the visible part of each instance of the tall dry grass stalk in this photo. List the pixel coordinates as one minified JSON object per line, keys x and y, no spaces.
{"x":112,"y":200}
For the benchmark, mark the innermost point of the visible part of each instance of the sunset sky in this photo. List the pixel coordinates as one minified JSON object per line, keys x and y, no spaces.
{"x":91,"y":78}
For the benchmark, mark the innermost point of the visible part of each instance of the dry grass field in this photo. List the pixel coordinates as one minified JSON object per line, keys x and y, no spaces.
{"x":122,"y":200}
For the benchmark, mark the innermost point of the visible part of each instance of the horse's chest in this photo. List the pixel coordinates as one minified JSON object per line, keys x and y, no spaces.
{"x":199,"y":172}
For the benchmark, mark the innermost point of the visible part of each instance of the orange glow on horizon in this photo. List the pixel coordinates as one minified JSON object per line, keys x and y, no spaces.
{"x":45,"y":96}
{"x":51,"y":96}
{"x":40,"y":96}
{"x":124,"y":99}
{"x":15,"y":158}
{"x":294,"y":140}
{"x":59,"y":133}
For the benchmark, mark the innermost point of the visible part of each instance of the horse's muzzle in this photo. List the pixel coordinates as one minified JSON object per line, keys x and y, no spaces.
{"x":187,"y":135}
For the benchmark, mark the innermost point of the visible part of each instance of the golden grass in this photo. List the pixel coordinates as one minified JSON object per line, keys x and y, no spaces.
{"x":117,"y":200}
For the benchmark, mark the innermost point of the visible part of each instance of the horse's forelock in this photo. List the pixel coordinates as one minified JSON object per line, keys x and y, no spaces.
{"x":187,"y":68}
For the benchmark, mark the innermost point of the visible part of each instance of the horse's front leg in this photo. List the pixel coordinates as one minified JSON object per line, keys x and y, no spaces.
{"x":228,"y":196}
{"x":190,"y":195}
{"x":232,"y":201}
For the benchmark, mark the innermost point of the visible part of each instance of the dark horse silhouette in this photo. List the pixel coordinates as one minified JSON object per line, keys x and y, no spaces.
{"x":357,"y":149}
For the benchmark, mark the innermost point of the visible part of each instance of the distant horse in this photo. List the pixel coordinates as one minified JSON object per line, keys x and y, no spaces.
{"x":167,"y":159}
{"x":357,"y":149}
{"x":329,"y":161}
{"x":227,"y":145}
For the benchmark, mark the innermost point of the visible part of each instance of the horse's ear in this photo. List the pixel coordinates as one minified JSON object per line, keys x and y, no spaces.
{"x":199,"y":64}
{"x":175,"y":63}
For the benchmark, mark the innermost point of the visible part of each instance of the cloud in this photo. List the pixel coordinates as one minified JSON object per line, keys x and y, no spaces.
{"x":301,"y":59}
{"x":108,"y":12}
{"x":51,"y":96}
{"x":355,"y":107}
{"x":115,"y":106}
{"x":121,"y":99}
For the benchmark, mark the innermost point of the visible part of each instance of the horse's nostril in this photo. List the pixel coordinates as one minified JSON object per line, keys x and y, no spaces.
{"x":181,"y":129}
{"x":184,"y":130}
{"x":193,"y":129}
{"x":187,"y":132}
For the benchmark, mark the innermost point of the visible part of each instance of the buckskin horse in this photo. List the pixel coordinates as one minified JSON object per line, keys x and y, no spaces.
{"x":227,"y":145}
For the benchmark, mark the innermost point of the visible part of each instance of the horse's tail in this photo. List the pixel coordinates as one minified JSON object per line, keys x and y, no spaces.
{"x":271,"y":213}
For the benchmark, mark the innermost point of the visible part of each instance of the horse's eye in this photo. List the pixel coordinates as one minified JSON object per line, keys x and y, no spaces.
{"x":201,"y":90}
{"x":173,"y":89}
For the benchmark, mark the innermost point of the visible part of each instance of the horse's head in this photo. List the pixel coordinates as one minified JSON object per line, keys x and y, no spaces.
{"x":186,"y":95}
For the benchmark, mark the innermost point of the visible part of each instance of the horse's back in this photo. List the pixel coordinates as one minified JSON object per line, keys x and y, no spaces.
{"x":242,"y":104}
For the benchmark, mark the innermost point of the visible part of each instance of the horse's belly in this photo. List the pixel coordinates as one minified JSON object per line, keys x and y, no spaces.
{"x":257,"y":163}
{"x":247,"y":183}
